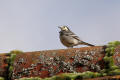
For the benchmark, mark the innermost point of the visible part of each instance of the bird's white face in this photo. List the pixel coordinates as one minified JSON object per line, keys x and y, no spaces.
{"x":64,"y":28}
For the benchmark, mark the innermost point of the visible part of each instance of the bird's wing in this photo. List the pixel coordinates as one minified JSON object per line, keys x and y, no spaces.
{"x":73,"y":35}
{"x":76,"y":37}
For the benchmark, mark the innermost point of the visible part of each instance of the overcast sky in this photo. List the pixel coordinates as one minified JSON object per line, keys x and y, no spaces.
{"x":31,"y":25}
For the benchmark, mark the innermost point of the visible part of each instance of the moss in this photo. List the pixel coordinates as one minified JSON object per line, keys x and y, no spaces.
{"x":79,"y":77}
{"x":114,"y":67}
{"x":111,"y":47}
{"x":109,"y":62}
{"x":110,"y":67}
{"x":10,"y":61}
{"x":88,"y":74}
{"x":114,"y":72}
{"x":68,"y":76}
{"x":7,"y":60}
{"x":12,"y":58}
{"x":16,"y":52}
{"x":62,"y":78}
{"x":96,"y":74}
{"x":32,"y":78}
{"x":75,"y":76}
{"x":1,"y":78}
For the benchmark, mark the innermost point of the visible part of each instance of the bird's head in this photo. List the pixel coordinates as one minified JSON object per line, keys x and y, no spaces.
{"x":64,"y":28}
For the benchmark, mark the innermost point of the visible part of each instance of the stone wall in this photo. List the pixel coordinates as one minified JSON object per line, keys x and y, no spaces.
{"x":54,"y":62}
{"x":74,"y":63}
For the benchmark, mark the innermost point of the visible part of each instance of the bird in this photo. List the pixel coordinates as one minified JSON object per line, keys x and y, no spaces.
{"x":70,"y":39}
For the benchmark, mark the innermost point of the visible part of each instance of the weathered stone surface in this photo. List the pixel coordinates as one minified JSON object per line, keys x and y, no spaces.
{"x":53,"y":62}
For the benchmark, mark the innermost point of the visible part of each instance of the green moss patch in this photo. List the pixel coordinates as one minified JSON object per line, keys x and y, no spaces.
{"x":11,"y":61}
{"x":16,"y":52}
{"x":68,"y":76}
{"x":32,"y":78}
{"x":1,"y":78}
{"x":110,"y":67}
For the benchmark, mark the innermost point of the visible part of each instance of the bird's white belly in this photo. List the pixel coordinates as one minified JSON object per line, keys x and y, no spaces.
{"x":75,"y":41}
{"x":68,"y":41}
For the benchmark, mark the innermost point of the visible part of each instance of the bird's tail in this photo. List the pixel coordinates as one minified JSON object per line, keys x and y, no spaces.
{"x":85,"y":43}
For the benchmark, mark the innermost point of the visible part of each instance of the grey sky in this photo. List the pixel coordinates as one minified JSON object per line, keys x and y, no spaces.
{"x":31,"y":25}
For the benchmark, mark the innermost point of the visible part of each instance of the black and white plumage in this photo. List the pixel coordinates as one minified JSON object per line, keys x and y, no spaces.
{"x":70,"y":39}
